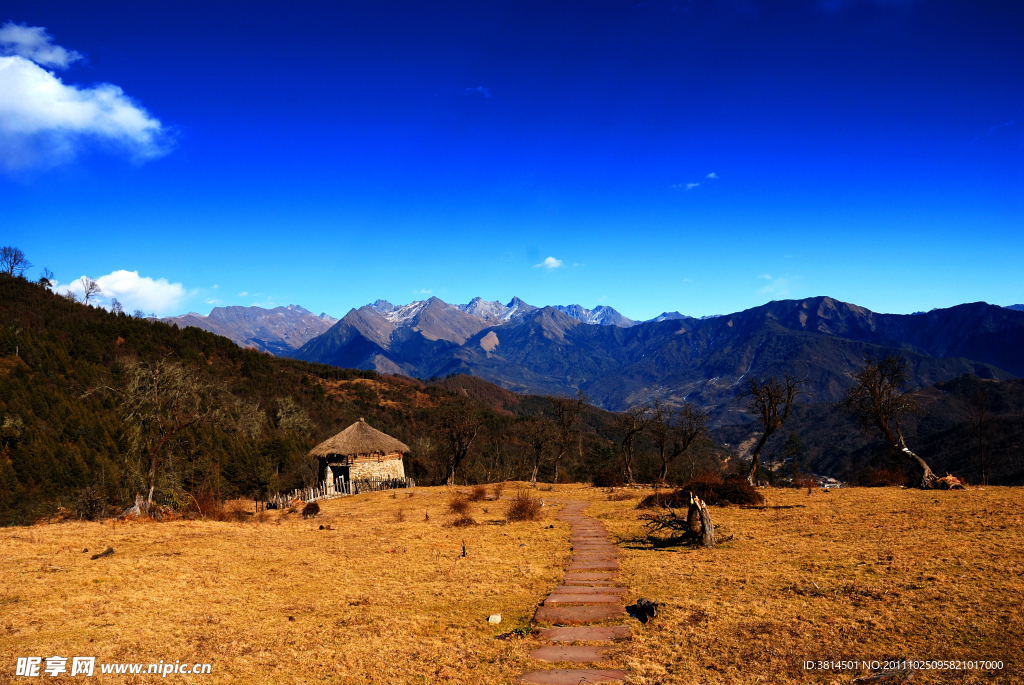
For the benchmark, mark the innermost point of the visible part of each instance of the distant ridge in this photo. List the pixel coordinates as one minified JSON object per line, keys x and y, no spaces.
{"x":1017,"y":307}
{"x":558,"y":350}
{"x":279,"y":331}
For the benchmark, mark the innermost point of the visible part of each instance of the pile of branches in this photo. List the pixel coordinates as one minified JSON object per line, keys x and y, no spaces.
{"x":695,"y":528}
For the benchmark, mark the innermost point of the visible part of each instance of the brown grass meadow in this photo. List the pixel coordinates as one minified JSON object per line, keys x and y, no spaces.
{"x":385,"y":596}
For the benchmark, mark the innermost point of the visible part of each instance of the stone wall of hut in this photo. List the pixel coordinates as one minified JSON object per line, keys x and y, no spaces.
{"x":386,"y":468}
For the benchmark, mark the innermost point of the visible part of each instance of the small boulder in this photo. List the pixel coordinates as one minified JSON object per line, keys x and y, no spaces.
{"x":106,"y":553}
{"x":494,"y":618}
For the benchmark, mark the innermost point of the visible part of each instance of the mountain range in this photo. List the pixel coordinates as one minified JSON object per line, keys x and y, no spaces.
{"x":279,"y":331}
{"x":618,"y":362}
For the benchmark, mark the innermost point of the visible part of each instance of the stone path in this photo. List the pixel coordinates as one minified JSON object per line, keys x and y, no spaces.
{"x":590,"y":593}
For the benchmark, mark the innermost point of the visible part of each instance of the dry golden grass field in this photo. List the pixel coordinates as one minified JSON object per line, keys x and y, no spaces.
{"x":385,"y":596}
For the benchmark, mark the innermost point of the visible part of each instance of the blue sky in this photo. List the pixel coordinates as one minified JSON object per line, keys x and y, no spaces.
{"x":702,"y":156}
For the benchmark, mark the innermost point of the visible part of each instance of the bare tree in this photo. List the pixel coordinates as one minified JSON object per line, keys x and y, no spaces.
{"x":568,"y":413}
{"x":458,"y":423}
{"x":116,"y":307}
{"x":13,"y":261}
{"x":90,"y":289}
{"x":630,"y":424}
{"x":46,"y":279}
{"x":159,"y":401}
{"x":881,"y":400}
{"x":771,"y":401}
{"x":675,"y":430}
{"x":977,"y":408}
{"x":292,"y":417}
{"x":537,"y":434}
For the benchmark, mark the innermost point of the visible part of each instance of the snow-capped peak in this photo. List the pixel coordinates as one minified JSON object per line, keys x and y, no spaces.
{"x":482,"y":309}
{"x":398,"y":315}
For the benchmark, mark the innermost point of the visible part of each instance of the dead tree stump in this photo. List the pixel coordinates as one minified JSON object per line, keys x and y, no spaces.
{"x":697,"y":528}
{"x":699,"y":512}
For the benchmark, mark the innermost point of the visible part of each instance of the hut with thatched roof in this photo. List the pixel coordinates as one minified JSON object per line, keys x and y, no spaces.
{"x":360,"y":452}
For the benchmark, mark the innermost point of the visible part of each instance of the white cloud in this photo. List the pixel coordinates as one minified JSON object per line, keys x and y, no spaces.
{"x":134,"y":291}
{"x":780,"y":287}
{"x":479,"y":90}
{"x":549,"y":263}
{"x":244,"y":293}
{"x":423,"y":292}
{"x":712,"y":175}
{"x":691,"y":186}
{"x":44,"y":122}
{"x":765,"y":276}
{"x":212,"y":301}
{"x":34,"y":43}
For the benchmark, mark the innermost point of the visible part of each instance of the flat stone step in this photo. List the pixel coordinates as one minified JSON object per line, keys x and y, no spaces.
{"x":592,"y":583}
{"x":577,"y":654}
{"x":595,"y":554}
{"x":589,"y":575}
{"x":607,"y":565}
{"x":562,"y":599}
{"x":574,"y":590}
{"x":585,"y":634}
{"x":579,"y":615}
{"x":573,"y":676}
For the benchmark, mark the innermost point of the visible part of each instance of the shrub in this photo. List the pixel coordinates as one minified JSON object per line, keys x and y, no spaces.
{"x":608,"y":478}
{"x":311,"y":510}
{"x":458,"y":504}
{"x":399,"y":516}
{"x":497,"y":488}
{"x":522,"y":507}
{"x":712,"y":489}
{"x":478,"y":493}
{"x":463,"y":521}
{"x":881,"y":478}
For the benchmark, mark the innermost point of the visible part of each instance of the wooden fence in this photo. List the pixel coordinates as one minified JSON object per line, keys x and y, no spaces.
{"x":341,"y":488}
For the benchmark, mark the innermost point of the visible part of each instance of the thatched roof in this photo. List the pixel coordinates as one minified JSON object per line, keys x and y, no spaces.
{"x":359,"y":438}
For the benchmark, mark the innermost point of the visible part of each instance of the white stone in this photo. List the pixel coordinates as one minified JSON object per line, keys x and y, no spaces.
{"x":494,"y":618}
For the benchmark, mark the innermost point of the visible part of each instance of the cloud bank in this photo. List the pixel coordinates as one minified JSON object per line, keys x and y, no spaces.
{"x":134,"y":292}
{"x":35,"y":44}
{"x":45,"y":122}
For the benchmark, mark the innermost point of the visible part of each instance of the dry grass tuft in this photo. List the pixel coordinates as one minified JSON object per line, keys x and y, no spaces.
{"x":522,"y":507}
{"x":311,"y":510}
{"x":458,"y":504}
{"x":497,"y":489}
{"x":478,"y":493}
{"x":463,"y":521}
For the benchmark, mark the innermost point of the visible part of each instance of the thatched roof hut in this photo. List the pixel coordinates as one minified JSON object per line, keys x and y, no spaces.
{"x":360,"y":439}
